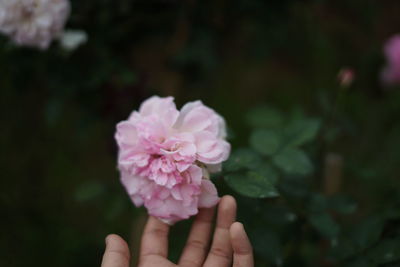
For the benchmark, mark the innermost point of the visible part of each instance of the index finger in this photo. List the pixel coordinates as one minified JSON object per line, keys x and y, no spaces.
{"x":221,"y":250}
{"x":155,"y":238}
{"x":196,"y":246}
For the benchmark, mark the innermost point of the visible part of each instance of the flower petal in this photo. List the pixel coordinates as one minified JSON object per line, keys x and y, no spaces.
{"x":209,"y":195}
{"x":164,"y":108}
{"x":126,"y":134}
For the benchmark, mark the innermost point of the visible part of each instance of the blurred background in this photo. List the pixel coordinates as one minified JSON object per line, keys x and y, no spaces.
{"x":253,"y":61}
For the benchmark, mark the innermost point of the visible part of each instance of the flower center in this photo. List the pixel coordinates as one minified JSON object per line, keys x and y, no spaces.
{"x":28,"y":9}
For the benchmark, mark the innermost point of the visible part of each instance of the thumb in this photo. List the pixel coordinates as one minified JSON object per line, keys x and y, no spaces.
{"x":117,"y":252}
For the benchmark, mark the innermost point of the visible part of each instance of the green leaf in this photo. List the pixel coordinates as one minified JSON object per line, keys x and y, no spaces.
{"x":299,"y":132}
{"x":266,"y":142}
{"x":267,"y":170}
{"x":294,"y":188}
{"x":391,"y":213}
{"x":317,"y":203}
{"x":264,"y":117}
{"x":277,"y":214}
{"x":367,"y":232}
{"x":342,"y":204}
{"x":386,"y":251}
{"x":242,"y":159}
{"x":252,"y":184}
{"x":293,"y":161}
{"x":342,"y":249}
{"x":325,"y":225}
{"x":359,"y":262}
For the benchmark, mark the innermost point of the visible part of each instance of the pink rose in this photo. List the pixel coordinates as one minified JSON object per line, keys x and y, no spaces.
{"x":33,"y":23}
{"x":391,"y":73}
{"x":165,"y":156}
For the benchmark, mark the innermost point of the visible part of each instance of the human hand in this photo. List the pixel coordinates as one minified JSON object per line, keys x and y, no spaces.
{"x":229,"y":241}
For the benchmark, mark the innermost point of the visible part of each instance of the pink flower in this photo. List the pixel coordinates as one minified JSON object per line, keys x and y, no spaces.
{"x":33,"y":22}
{"x":391,"y":73}
{"x":346,"y":77}
{"x":165,"y":156}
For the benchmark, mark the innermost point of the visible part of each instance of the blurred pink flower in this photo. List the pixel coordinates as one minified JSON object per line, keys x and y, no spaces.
{"x":33,"y":22}
{"x":346,"y":77}
{"x":165,"y":156}
{"x":391,"y":73}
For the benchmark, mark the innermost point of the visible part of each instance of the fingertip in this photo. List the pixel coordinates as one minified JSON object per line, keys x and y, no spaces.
{"x":227,"y":204}
{"x":115,"y":242}
{"x":228,"y":200}
{"x":114,"y":238}
{"x":236,"y":228}
{"x":116,"y":253}
{"x":242,"y":249}
{"x":226,"y":212}
{"x":240,"y":240}
{"x":108,"y":237}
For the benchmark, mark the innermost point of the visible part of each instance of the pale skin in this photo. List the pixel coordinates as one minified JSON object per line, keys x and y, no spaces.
{"x":230,"y":245}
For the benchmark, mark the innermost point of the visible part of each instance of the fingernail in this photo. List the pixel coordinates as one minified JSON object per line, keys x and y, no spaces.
{"x":240,"y":225}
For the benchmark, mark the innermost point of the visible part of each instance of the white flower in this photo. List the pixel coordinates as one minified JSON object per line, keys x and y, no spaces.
{"x":33,"y":22}
{"x":72,"y":39}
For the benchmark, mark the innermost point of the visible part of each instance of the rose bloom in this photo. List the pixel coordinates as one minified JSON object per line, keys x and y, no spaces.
{"x":346,"y":77}
{"x":391,"y":73}
{"x":33,"y":23}
{"x":165,"y":157}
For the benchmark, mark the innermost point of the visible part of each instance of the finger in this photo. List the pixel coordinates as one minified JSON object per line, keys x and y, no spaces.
{"x":196,"y":246}
{"x":117,"y":252}
{"x":221,"y":250}
{"x":242,"y":250}
{"x":155,"y":238}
